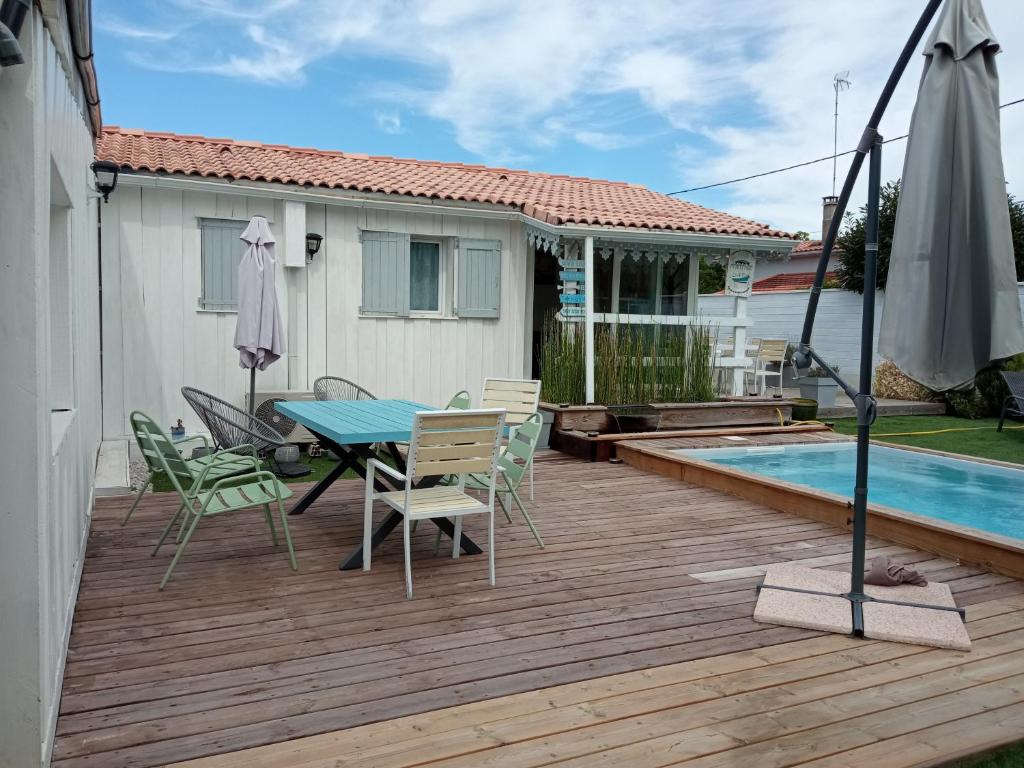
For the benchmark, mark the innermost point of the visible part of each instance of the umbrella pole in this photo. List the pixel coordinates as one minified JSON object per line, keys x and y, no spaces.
{"x":864,"y":401}
{"x":252,"y":391}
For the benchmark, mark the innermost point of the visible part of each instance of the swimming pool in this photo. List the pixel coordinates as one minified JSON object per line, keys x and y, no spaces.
{"x":969,"y":493}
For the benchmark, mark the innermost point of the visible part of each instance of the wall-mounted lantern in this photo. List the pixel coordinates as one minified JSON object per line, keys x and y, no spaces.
{"x":105,"y":172}
{"x":313,"y":241}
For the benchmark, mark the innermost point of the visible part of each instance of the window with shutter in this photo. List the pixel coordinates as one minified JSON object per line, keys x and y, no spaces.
{"x":385,"y":273}
{"x":221,"y":252}
{"x":479,"y":278}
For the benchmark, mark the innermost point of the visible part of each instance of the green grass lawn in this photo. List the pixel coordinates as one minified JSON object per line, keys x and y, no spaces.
{"x":1011,"y":757}
{"x":977,"y":438}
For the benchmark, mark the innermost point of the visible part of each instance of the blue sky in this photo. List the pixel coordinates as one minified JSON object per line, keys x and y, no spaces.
{"x":665,"y":93}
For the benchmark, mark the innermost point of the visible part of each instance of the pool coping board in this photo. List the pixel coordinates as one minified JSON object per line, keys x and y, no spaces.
{"x":991,"y":551}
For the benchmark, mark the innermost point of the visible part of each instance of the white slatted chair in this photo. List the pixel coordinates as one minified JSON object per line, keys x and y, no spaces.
{"x":519,"y":397}
{"x":769,"y":351}
{"x":443,"y":444}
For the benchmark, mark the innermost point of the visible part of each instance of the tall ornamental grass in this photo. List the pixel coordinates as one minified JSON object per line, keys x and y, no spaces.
{"x":633,"y":364}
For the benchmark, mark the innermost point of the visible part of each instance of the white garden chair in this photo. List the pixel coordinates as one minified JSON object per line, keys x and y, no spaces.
{"x":443,"y":443}
{"x":519,"y":397}
{"x":769,"y":352}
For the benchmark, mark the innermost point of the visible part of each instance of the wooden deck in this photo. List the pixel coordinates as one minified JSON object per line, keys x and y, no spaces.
{"x":628,"y":640}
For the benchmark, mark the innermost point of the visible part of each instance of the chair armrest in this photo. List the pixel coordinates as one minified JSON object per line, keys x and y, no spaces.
{"x":374,"y":464}
{"x":191,"y":439}
{"x":239,"y":451}
{"x":247,"y":450}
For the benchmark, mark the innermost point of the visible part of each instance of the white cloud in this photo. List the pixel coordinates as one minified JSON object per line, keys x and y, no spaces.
{"x":744,"y":84}
{"x":126,"y":29}
{"x":389,"y":122}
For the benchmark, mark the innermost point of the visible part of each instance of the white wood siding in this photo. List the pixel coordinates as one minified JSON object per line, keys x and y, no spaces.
{"x":780,"y":315}
{"x":155,"y":340}
{"x":47,"y":461}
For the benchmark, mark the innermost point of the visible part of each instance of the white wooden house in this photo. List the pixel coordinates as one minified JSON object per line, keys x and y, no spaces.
{"x":430,"y":276}
{"x":49,"y":377}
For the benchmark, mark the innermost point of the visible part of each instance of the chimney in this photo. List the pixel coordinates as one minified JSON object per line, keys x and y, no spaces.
{"x":828,"y":210}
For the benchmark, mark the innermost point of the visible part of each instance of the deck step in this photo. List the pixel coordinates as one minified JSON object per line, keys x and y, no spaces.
{"x":112,"y":477}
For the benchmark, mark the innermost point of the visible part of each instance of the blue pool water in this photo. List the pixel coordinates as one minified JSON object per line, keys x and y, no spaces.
{"x":969,"y":493}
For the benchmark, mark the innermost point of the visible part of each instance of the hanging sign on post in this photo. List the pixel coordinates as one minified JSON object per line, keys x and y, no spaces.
{"x":739,"y":277}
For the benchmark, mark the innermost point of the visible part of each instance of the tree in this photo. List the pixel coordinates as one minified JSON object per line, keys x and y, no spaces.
{"x":850,"y":243}
{"x":802,"y":235}
{"x":711,"y":277}
{"x":1017,"y":232}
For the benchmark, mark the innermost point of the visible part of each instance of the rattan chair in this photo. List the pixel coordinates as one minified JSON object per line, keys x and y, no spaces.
{"x":1013,"y":405}
{"x":231,"y":426}
{"x":336,"y":388}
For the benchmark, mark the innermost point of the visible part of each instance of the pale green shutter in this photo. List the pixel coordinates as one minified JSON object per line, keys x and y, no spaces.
{"x":222,"y":251}
{"x":385,"y":273}
{"x":478,"y":278}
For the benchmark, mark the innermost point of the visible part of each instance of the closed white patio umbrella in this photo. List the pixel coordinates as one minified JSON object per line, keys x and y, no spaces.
{"x":259,"y":337}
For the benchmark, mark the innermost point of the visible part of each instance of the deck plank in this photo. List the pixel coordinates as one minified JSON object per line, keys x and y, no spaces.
{"x":646,"y":581}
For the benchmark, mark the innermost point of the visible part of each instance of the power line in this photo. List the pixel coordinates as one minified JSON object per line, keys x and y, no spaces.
{"x":804,"y":164}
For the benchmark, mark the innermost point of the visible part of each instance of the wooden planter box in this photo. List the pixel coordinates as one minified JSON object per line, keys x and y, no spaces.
{"x":724,"y":413}
{"x":729,"y":412}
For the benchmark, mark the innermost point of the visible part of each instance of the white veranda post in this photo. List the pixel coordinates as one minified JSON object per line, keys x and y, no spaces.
{"x":588,"y":304}
{"x":739,"y":344}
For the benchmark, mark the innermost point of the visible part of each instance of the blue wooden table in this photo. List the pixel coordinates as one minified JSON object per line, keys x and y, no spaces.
{"x":351,"y":428}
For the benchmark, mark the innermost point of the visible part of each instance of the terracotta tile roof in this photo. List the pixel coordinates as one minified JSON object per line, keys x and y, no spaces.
{"x":550,"y":198}
{"x":791,"y":281}
{"x":808,"y":245}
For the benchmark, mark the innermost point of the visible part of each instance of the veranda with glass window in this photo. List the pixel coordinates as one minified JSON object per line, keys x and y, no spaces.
{"x":653,"y":284}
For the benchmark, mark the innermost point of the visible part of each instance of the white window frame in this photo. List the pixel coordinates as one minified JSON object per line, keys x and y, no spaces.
{"x":445,"y":273}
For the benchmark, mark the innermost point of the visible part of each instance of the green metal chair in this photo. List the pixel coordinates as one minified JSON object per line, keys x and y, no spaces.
{"x":514,"y":462}
{"x":220,"y":464}
{"x":256,"y":488}
{"x":460,"y":401}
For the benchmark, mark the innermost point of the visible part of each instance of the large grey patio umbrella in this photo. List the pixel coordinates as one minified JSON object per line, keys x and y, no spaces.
{"x":974,"y":232}
{"x":259,"y":338}
{"x":952,"y":306}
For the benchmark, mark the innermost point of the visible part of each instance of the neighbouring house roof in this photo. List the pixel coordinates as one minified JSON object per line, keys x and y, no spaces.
{"x":553,"y":199}
{"x":788,"y":281}
{"x":807,"y":246}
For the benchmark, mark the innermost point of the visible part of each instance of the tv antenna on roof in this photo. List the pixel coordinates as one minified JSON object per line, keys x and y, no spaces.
{"x":840,"y":82}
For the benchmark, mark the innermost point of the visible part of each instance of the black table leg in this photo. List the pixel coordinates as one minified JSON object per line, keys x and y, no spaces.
{"x":346,"y":461}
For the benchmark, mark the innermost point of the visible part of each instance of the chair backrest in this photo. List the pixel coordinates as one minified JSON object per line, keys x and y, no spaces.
{"x":1015,"y":383}
{"x":447,"y":443}
{"x":518,"y":454}
{"x":460,"y":401}
{"x":772,"y":350}
{"x":159,"y":452}
{"x":337,"y":388}
{"x":229,"y":425}
{"x":519,"y":398}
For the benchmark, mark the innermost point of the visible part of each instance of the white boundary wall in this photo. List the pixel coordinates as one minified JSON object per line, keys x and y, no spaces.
{"x":780,"y":315}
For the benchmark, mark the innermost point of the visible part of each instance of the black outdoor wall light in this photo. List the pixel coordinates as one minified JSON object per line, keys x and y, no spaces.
{"x":105,"y":172}
{"x":313,"y":241}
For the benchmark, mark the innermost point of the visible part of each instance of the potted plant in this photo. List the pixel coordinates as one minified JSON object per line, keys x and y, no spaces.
{"x":804,"y":409}
{"x":818,"y":385}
